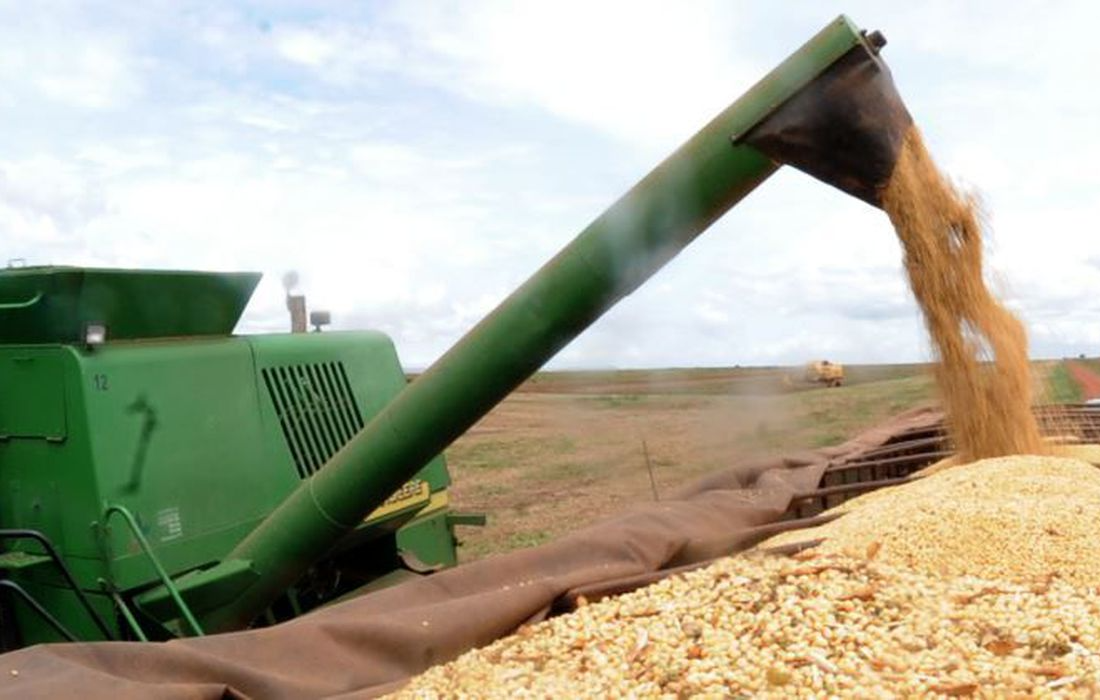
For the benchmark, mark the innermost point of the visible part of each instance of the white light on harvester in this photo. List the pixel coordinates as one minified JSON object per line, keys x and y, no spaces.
{"x":95,"y":334}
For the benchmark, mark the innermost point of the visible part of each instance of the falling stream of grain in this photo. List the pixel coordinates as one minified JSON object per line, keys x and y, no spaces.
{"x":982,"y":370}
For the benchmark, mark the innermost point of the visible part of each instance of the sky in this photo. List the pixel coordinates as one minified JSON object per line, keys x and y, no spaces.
{"x":416,"y":161}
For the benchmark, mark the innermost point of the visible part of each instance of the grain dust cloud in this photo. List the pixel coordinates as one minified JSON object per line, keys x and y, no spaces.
{"x":983,"y":372}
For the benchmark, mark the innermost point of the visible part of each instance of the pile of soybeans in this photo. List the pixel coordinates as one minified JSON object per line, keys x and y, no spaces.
{"x":1013,"y":518}
{"x":975,"y":581}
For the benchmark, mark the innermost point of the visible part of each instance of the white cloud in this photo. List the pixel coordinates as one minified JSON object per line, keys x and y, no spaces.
{"x":343,"y":55}
{"x":42,"y":203}
{"x":310,"y":48}
{"x":66,"y":64}
{"x":636,"y":70}
{"x":417,"y":161}
{"x":94,"y":76}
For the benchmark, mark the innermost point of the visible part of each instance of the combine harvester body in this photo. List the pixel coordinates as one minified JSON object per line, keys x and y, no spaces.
{"x":142,"y":441}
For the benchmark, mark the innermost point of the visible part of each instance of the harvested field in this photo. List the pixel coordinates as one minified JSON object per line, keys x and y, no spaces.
{"x":1060,"y":386}
{"x":705,"y":380}
{"x":1086,"y":378}
{"x":563,"y":452}
{"x":544,"y":463}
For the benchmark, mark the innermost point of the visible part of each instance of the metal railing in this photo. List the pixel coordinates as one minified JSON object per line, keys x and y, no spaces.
{"x":165,"y":579}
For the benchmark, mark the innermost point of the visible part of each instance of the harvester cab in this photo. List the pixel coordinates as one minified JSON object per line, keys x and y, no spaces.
{"x":192,"y":481}
{"x":141,"y":440}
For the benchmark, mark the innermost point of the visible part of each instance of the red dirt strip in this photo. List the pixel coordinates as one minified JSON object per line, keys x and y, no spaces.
{"x":1088,"y":380}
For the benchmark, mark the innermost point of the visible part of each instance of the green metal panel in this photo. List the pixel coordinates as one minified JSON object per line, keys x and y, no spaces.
{"x":177,"y":439}
{"x":55,"y":304}
{"x":618,"y":251}
{"x":430,"y":538}
{"x":317,"y":391}
{"x":40,"y":413}
{"x":182,"y":433}
{"x":151,"y":426}
{"x":46,"y":484}
{"x":323,"y":388}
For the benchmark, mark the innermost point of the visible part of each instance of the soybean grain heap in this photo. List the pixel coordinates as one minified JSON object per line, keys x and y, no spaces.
{"x":1019,"y":519}
{"x":893,"y":604}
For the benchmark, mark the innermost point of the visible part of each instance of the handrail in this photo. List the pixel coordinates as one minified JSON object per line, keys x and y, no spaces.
{"x":37,"y":607}
{"x":148,"y":550}
{"x":53,"y":554}
{"x":5,"y":306}
{"x":124,"y":609}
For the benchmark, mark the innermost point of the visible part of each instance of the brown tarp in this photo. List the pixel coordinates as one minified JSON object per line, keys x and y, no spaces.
{"x":372,"y":644}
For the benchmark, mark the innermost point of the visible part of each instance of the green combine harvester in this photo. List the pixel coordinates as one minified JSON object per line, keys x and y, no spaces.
{"x":162,"y":477}
{"x":139,"y":440}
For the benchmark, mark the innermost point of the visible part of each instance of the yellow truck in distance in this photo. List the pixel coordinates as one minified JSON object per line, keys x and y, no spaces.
{"x":825,"y":372}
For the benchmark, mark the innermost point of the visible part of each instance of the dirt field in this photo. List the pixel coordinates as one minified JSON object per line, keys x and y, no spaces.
{"x":705,"y":380}
{"x":572,"y":447}
{"x":1087,"y":379}
{"x":569,"y":448}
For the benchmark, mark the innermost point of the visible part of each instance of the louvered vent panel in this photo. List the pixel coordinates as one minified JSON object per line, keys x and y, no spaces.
{"x":316,"y":410}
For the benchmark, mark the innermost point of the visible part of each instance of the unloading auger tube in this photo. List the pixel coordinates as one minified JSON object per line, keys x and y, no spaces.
{"x":829,"y":109}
